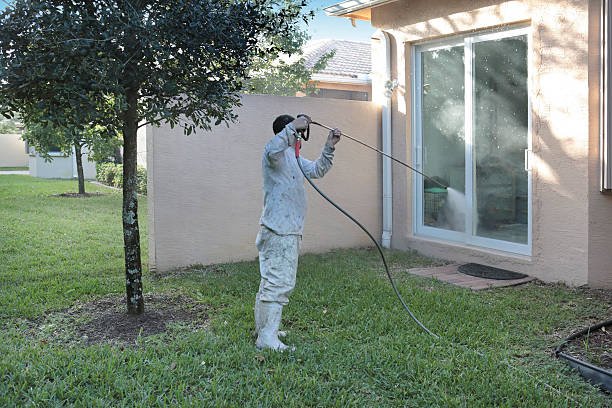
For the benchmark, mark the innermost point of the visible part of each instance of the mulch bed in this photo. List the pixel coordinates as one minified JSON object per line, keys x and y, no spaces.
{"x":105,"y":320}
{"x":595,"y":348}
{"x":77,"y":195}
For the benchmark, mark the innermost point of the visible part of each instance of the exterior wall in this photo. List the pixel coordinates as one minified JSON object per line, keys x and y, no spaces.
{"x":600,"y":205}
{"x":365,"y":88}
{"x":62,"y":167}
{"x":12,"y":151}
{"x":204,"y":190}
{"x":559,"y":71}
{"x":141,"y":147}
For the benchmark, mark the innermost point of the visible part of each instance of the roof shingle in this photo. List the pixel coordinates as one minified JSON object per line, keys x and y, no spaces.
{"x":352,"y":59}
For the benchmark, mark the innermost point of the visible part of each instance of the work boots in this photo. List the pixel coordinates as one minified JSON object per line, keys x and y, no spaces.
{"x":258,"y":319}
{"x":269,"y":316}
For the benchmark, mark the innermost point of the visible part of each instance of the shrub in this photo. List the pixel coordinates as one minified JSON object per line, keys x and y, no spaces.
{"x":112,"y":174}
{"x":105,"y":173}
{"x":141,"y":173}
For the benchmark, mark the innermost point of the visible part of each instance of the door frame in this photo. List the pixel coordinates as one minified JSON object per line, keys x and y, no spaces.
{"x":468,"y":237}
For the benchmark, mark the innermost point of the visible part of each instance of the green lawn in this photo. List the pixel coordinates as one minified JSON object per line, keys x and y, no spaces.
{"x":355,"y":345}
{"x":18,"y":168}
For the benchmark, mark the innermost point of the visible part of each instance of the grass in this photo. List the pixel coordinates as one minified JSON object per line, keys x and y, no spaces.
{"x":355,"y":345}
{"x":14,"y":168}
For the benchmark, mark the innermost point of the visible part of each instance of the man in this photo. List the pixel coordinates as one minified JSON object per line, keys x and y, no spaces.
{"x":282,"y":222}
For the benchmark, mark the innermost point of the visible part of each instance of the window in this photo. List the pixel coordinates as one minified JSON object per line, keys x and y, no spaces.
{"x":472,"y":133}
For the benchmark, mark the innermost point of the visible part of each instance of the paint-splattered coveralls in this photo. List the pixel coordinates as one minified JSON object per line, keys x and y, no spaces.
{"x":282,"y":219}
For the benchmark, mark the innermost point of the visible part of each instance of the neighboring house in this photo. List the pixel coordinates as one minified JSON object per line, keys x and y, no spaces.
{"x":61,"y":166}
{"x":506,"y":102}
{"x":347,"y":74}
{"x":13,"y":152}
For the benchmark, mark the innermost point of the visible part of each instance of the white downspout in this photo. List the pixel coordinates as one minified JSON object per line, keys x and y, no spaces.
{"x":387,"y":175}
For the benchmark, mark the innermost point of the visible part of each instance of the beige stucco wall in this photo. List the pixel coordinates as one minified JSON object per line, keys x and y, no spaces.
{"x":12,"y":151}
{"x":600,"y":205}
{"x":205,"y":195}
{"x":564,"y":192}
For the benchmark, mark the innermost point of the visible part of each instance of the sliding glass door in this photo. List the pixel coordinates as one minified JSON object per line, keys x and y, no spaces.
{"x":472,"y":133}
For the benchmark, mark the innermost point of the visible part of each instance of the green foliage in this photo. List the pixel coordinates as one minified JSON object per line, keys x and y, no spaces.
{"x":184,"y":60}
{"x":141,"y":175}
{"x":112,"y":174}
{"x":355,"y":345}
{"x":105,"y":173}
{"x":46,"y":138}
{"x":8,"y":126}
{"x":286,"y":75}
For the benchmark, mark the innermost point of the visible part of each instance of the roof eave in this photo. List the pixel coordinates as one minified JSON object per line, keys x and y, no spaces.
{"x":357,"y":9}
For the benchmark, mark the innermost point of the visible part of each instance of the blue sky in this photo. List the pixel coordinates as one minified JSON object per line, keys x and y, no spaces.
{"x":337,"y":28}
{"x":323,"y":26}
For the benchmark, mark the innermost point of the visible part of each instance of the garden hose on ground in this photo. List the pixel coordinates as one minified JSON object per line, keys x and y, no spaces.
{"x":380,"y":251}
{"x":384,"y":260}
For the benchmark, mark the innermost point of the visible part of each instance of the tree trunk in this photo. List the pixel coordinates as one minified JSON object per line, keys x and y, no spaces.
{"x":131,"y":234}
{"x":79,"y":162}
{"x":117,"y":154}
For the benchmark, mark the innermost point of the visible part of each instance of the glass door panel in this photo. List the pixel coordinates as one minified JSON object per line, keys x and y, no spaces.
{"x":500,"y":137}
{"x":472,"y":133}
{"x":443,"y":137}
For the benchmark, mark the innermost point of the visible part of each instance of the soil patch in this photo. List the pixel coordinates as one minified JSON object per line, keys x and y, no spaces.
{"x":77,"y":195}
{"x":105,"y":320}
{"x":594,"y":347}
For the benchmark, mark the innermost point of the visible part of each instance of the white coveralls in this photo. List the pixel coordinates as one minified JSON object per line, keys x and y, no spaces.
{"x":282,"y":219}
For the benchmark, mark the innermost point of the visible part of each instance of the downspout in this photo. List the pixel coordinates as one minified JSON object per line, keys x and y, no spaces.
{"x":387,"y":175}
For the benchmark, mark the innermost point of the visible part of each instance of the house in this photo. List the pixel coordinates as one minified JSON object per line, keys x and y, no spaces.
{"x":13,"y":152}
{"x":507,"y":103}
{"x":61,"y":166}
{"x":347,"y":74}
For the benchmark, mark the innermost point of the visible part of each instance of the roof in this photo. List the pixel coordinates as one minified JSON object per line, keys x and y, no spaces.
{"x":352,"y":60}
{"x":357,"y":9}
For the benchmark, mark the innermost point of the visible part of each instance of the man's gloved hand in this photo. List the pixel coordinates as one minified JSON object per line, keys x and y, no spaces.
{"x":301,"y":123}
{"x":333,"y":137}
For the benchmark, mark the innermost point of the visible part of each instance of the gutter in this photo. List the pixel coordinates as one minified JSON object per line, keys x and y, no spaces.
{"x":338,"y":79}
{"x":350,"y":6}
{"x":387,"y":171}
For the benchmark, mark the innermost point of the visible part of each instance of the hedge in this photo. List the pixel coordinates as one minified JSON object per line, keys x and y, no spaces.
{"x":112,"y":174}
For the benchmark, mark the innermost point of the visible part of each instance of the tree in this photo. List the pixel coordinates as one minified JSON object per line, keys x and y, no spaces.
{"x":175,"y":61}
{"x":46,"y":138}
{"x":289,"y":74}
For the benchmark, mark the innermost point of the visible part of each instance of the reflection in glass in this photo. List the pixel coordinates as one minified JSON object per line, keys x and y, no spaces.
{"x":500,"y":139}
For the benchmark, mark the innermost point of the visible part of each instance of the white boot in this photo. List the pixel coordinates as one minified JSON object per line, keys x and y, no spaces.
{"x":270,"y":313}
{"x":259,"y":321}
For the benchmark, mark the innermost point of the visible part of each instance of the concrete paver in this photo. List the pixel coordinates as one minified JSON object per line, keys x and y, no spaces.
{"x":450,"y":274}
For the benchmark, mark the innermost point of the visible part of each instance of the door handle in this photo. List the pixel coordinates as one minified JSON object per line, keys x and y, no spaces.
{"x":528,"y":153}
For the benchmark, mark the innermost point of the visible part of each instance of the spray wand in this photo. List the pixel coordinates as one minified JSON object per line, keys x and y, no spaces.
{"x":384,"y":154}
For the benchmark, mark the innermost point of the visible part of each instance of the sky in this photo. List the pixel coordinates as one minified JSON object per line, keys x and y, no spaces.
{"x":323,"y":26}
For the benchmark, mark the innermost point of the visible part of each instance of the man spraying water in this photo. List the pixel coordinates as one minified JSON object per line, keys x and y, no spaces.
{"x":282,"y":222}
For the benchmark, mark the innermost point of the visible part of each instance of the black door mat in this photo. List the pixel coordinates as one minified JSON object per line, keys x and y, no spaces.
{"x":489,"y":272}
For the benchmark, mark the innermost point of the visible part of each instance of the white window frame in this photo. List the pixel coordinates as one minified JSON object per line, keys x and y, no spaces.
{"x":467,"y":238}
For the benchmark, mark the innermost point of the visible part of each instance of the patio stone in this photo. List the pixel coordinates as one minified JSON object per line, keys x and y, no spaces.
{"x":450,"y":274}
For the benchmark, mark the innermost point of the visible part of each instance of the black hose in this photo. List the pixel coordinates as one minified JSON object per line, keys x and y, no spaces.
{"x":433,"y":180}
{"x":380,"y":251}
